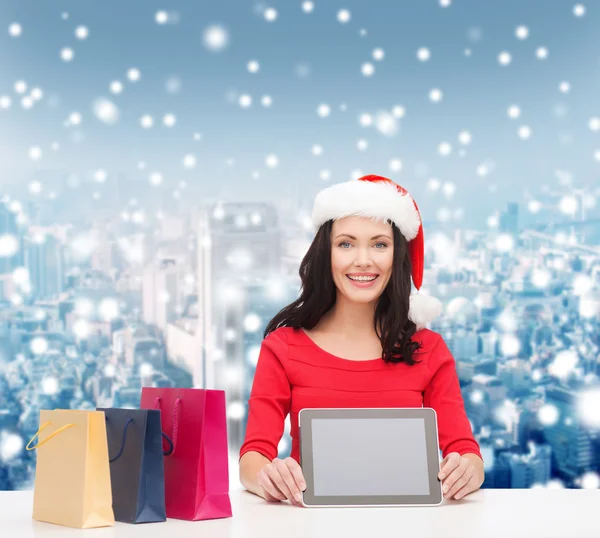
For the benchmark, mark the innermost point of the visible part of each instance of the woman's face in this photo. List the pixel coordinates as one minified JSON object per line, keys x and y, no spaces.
{"x":362,"y":252}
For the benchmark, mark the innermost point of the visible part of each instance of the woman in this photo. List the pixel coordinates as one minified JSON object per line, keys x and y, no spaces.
{"x":356,"y":304}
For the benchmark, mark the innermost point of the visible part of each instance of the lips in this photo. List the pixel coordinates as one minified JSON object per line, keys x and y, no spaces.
{"x":363,"y":283}
{"x":365,"y":275}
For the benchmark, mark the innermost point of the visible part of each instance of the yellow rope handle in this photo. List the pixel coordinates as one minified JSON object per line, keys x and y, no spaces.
{"x":47,"y":438}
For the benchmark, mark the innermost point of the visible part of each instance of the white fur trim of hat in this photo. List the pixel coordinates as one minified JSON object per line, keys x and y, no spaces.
{"x":367,"y":199}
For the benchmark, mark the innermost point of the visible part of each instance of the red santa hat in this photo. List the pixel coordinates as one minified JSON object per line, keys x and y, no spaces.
{"x":380,"y":198}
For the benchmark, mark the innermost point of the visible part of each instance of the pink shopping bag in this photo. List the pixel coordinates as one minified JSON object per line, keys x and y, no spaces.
{"x":196,"y":469}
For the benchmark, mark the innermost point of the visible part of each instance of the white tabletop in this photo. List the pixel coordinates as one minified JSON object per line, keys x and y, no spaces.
{"x":493,"y":513}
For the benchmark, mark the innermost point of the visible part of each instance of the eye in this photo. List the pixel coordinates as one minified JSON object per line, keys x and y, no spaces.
{"x":384,"y":244}
{"x":343,"y":243}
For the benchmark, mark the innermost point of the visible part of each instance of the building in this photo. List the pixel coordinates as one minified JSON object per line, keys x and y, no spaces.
{"x":105,"y":257}
{"x":515,"y":374}
{"x":509,"y":219}
{"x":173,"y":228}
{"x":470,"y":366}
{"x":245,"y":317}
{"x":486,"y":394}
{"x":45,"y":263}
{"x":464,"y":344}
{"x":571,"y":443}
{"x":491,"y":386}
{"x":144,"y":350}
{"x":162,"y":291}
{"x":530,"y":469}
{"x":500,"y":477}
{"x":183,"y":347}
{"x":237,"y":242}
{"x":9,"y":228}
{"x":489,"y":342}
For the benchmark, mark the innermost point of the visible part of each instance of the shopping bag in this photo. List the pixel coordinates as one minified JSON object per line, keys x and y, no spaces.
{"x":136,"y":465}
{"x":72,"y":475}
{"x":196,"y":470}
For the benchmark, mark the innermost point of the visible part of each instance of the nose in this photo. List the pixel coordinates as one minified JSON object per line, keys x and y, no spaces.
{"x":362,"y":258}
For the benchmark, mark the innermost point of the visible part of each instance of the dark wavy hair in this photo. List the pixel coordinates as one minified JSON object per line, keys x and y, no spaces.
{"x":318,"y":295}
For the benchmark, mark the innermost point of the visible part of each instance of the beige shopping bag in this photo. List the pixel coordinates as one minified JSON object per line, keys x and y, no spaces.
{"x":72,"y":475}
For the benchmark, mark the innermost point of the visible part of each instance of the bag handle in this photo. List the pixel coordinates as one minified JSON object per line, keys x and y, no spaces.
{"x":120,"y":453}
{"x":176,"y":413}
{"x":42,"y":443}
{"x":168,"y":439}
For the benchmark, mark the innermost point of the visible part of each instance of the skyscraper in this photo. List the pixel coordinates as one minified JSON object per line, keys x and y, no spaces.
{"x":240,"y":285}
{"x":246,"y":317}
{"x":570,"y":441}
{"x":162,"y":292}
{"x":9,"y":227}
{"x":237,"y":242}
{"x":45,"y":262}
{"x":530,"y":469}
{"x":509,"y":219}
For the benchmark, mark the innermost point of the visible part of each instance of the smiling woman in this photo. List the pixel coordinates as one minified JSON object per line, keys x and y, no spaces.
{"x":369,"y":266}
{"x":355,"y":337}
{"x":370,"y":240}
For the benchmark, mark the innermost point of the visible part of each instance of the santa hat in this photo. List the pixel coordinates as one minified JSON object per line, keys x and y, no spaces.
{"x":380,"y":198}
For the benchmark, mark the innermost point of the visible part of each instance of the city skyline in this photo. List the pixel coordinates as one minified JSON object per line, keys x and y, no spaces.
{"x":147,"y":240}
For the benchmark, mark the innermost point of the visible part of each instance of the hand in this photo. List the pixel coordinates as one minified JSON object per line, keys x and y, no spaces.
{"x":458,"y":475}
{"x":282,"y":479}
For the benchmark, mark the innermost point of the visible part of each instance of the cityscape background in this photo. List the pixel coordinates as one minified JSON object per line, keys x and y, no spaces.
{"x":158,"y":164}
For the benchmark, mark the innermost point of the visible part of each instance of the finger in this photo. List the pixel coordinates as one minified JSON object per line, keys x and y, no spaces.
{"x":275,"y":476}
{"x":267,"y":496}
{"x":458,"y":484}
{"x":449,"y":464}
{"x":452,"y":478}
{"x":296,"y":471}
{"x":265,"y":483}
{"x":289,"y":480}
{"x":466,"y":489}
{"x":451,"y":461}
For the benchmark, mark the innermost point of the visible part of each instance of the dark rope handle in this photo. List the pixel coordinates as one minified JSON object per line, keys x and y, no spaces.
{"x":122,"y":442}
{"x":168,"y":439}
{"x":173,"y":442}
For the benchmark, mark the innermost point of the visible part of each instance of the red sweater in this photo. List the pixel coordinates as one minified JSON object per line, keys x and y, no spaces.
{"x":293,"y":373}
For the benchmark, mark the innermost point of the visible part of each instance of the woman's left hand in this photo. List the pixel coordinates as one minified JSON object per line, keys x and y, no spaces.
{"x":459,"y":476}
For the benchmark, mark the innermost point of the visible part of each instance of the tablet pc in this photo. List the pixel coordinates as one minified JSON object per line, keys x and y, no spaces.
{"x":370,"y":457}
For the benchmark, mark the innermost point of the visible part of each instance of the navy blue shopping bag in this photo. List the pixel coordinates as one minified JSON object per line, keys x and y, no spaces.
{"x":136,"y":464}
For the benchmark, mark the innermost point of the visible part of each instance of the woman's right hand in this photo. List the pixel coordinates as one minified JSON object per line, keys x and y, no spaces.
{"x":281,"y":480}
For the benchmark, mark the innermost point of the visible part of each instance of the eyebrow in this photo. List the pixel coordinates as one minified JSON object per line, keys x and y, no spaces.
{"x":372,"y":238}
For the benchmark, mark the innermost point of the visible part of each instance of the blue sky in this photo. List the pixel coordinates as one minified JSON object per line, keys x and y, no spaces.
{"x":306,"y":59}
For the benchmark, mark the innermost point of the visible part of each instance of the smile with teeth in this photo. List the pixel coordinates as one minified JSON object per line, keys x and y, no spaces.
{"x":362,"y":278}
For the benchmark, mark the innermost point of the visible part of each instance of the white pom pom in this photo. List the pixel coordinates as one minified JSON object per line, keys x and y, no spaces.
{"x":423,"y":309}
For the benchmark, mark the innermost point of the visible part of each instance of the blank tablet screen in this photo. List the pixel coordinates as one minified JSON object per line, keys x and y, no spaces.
{"x":373,"y":456}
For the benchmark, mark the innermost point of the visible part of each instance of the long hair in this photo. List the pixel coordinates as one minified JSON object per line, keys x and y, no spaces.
{"x":318,"y":295}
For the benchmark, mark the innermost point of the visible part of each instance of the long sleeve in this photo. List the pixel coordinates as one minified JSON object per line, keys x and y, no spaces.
{"x":443,"y":394}
{"x":270,"y":398}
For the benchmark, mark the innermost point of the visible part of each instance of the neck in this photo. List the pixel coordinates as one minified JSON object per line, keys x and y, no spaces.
{"x":349,"y":318}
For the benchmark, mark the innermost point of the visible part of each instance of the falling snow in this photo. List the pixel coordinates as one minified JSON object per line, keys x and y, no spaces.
{"x":293,"y":123}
